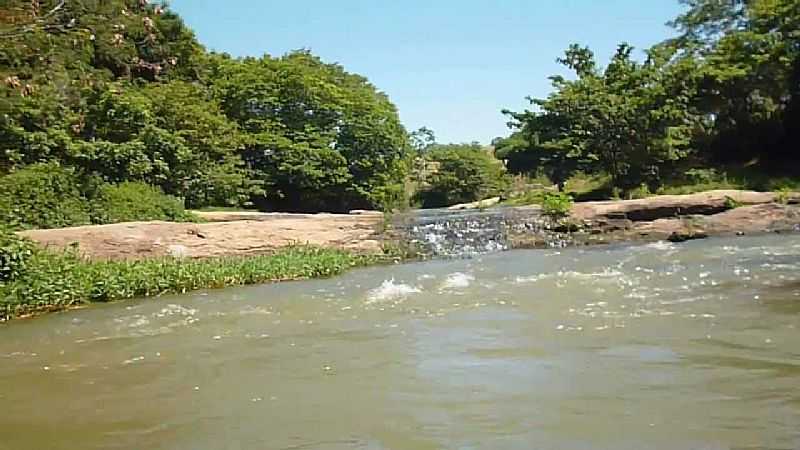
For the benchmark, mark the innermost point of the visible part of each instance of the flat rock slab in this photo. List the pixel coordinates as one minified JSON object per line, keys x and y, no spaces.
{"x":671,"y":217}
{"x":666,"y":206}
{"x":753,"y":219}
{"x":141,"y":240}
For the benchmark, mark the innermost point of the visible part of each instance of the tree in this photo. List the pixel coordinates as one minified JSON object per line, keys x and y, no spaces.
{"x":171,"y":135}
{"x":121,"y":90}
{"x":55,"y":54}
{"x":632,"y":120}
{"x":319,"y":138}
{"x":422,"y":139}
{"x":747,"y":53}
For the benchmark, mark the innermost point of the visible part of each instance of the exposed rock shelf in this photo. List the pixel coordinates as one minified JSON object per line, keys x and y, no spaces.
{"x":259,"y":234}
{"x":439,"y":232}
{"x":676,"y":217}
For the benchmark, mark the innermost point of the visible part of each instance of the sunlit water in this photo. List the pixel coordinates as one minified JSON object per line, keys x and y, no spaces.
{"x":659,"y":346}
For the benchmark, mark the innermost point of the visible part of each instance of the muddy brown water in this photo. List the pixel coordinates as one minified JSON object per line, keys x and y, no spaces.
{"x":660,"y":346}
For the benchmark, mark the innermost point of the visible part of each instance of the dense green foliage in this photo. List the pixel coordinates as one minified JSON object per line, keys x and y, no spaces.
{"x":556,"y":204}
{"x":47,"y":195}
{"x":53,"y":281}
{"x":121,"y":91}
{"x":43,"y":196}
{"x":725,"y":91}
{"x":315,"y":136}
{"x":15,"y":253}
{"x":465,"y":173}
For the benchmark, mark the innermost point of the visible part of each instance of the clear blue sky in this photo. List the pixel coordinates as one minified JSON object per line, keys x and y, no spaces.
{"x":450,"y":65}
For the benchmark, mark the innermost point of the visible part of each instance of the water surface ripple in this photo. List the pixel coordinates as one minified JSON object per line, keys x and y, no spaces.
{"x":659,"y":346}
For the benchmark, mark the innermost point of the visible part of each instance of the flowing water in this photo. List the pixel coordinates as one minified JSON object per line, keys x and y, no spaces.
{"x":660,"y":346}
{"x":469,"y":233}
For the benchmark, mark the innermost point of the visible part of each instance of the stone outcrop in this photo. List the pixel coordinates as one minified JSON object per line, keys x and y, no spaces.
{"x":234,"y":234}
{"x":686,"y":217}
{"x":665,"y":206}
{"x":670,"y":217}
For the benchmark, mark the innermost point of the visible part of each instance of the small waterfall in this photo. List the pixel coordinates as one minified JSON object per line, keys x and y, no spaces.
{"x":453,"y":234}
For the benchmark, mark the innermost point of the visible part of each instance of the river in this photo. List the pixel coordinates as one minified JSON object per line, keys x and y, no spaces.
{"x":659,"y":346}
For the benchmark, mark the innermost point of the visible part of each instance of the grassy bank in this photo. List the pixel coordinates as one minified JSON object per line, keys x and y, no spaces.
{"x":44,"y":281}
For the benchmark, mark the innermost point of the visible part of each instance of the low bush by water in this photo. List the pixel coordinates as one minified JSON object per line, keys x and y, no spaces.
{"x":51,"y":196}
{"x":36,"y":281}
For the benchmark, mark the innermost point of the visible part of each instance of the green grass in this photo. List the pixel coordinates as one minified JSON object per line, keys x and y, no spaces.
{"x":56,"y":281}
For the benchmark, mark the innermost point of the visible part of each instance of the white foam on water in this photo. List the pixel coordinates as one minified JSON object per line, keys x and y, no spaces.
{"x":606,"y":274}
{"x":457,"y":280}
{"x":390,"y":290}
{"x":250,"y":310}
{"x":660,"y":245}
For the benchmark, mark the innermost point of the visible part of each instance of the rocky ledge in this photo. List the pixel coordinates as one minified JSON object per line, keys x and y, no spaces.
{"x":676,"y":218}
{"x":225,"y":234}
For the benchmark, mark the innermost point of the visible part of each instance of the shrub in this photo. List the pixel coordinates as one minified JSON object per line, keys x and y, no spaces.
{"x":556,"y":204}
{"x":134,"y":201}
{"x":639,"y":192}
{"x":732,"y":203}
{"x":15,"y":252}
{"x":465,"y":173}
{"x":783,"y":195}
{"x":42,"y":196}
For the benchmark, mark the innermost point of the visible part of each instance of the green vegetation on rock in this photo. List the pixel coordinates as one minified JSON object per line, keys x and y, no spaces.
{"x":556,"y":204}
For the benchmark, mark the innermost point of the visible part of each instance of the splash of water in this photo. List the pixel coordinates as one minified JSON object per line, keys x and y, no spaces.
{"x":457,"y":280}
{"x":390,"y":290}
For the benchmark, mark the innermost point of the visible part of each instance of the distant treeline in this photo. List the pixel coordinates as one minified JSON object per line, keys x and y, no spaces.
{"x":725,"y":91}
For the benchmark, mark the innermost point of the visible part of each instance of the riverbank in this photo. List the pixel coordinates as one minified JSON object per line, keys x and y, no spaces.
{"x":72,"y":267}
{"x":225,"y":234}
{"x":247,"y":234}
{"x":53,"y":281}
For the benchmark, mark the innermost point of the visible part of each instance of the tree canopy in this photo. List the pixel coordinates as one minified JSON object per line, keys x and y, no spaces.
{"x":726,"y":89}
{"x":122,"y":90}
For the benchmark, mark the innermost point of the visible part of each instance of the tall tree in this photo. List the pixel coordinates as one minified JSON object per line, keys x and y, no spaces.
{"x":317,"y":136}
{"x":748,"y":51}
{"x":632,"y":120}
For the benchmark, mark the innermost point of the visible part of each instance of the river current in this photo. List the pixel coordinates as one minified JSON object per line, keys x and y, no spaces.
{"x":658,"y":346}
